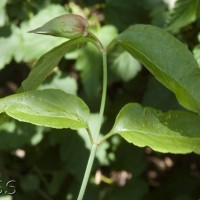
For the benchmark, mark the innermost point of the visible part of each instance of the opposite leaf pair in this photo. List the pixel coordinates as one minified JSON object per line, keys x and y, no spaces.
{"x":163,"y":55}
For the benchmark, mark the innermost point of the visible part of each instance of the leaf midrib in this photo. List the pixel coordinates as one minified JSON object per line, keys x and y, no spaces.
{"x":160,"y":69}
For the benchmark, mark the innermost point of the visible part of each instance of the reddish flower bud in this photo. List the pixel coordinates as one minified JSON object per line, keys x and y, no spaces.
{"x":68,"y":26}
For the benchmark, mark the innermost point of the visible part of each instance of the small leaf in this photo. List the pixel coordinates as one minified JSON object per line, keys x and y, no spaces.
{"x":183,"y":13}
{"x":173,"y":131}
{"x":51,"y":108}
{"x":67,"y":26}
{"x":167,"y":59}
{"x":47,"y":62}
{"x":196,"y":52}
{"x":125,"y":66}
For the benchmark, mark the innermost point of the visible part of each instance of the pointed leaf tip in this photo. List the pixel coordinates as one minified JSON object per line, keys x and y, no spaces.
{"x":33,"y":31}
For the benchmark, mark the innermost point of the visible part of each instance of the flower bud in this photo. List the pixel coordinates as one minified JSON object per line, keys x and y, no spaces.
{"x":67,"y":26}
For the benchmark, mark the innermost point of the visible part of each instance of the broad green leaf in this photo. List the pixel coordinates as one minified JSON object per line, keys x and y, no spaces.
{"x":51,"y":108}
{"x":47,"y":62}
{"x":173,"y":131}
{"x":167,"y":59}
{"x":183,"y":13}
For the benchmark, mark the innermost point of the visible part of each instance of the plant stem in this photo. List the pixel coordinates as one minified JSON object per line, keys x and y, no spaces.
{"x":94,"y":146}
{"x":104,"y":90}
{"x":90,"y":136}
{"x":105,"y":138}
{"x":87,"y":172}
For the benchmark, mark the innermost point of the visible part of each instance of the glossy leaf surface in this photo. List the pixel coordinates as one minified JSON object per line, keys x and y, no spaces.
{"x":50,"y":108}
{"x":167,"y":59}
{"x":173,"y":131}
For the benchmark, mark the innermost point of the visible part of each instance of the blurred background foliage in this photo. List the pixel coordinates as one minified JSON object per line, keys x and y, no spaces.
{"x":49,"y":164}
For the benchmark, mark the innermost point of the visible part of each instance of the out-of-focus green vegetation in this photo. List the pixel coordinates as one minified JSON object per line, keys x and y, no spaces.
{"x":49,"y":164}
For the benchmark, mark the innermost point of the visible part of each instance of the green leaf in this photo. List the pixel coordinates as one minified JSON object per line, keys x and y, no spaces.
{"x":196,"y":52}
{"x":47,"y":62}
{"x":51,"y":108}
{"x":89,"y":64}
{"x":7,"y":197}
{"x":123,"y":13}
{"x":8,"y":44}
{"x":167,"y":59}
{"x":173,"y":131}
{"x":158,"y":96}
{"x":26,"y":47}
{"x":183,"y":13}
{"x":125,"y":66}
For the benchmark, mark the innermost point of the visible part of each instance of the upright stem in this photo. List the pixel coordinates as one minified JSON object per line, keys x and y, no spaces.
{"x":94,"y":145}
{"x":104,"y":90}
{"x":87,"y":172}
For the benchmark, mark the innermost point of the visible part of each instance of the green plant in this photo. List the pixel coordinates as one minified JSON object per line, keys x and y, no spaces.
{"x":164,"y":56}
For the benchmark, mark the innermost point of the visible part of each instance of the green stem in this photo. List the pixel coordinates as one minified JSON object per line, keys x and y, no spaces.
{"x":87,"y":172}
{"x":90,"y":136}
{"x":105,"y":138}
{"x":94,"y":146}
{"x":104,"y":90}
